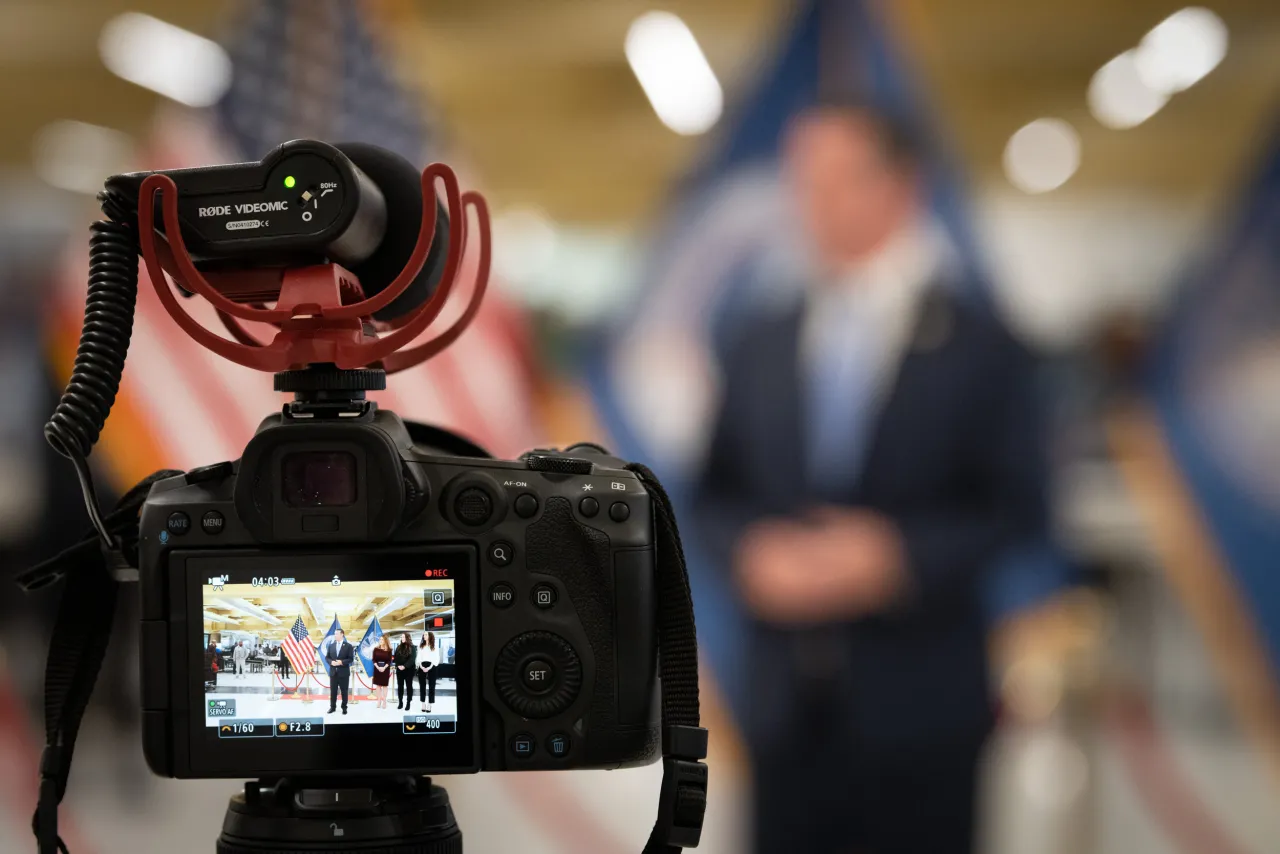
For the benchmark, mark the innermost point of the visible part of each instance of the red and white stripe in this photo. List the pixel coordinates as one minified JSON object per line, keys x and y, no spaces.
{"x":301,"y":654}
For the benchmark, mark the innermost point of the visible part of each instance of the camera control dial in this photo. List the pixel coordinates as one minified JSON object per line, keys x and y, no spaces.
{"x":538,"y":675}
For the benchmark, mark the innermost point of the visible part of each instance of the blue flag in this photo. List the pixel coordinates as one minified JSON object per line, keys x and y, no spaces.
{"x":1215,"y":381}
{"x":371,"y":637}
{"x":326,"y":652}
{"x":652,"y":379}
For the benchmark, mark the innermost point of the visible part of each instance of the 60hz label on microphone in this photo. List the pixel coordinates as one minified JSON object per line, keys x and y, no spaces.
{"x":247,"y":207}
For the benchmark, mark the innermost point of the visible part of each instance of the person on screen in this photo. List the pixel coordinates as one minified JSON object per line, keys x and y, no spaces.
{"x":239,"y":656}
{"x":405,"y":659}
{"x":340,"y":657}
{"x":428,"y":657}
{"x":382,"y":659}
{"x":211,"y":665}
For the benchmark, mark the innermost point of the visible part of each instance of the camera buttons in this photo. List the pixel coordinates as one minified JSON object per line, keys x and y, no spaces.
{"x":501,"y":553}
{"x":544,"y":595}
{"x":511,"y":670}
{"x":538,"y":675}
{"x":558,"y":745}
{"x":473,"y":506}
{"x":523,"y":745}
{"x":502,"y":595}
{"x":212,"y":522}
{"x":178,"y":523}
{"x":588,"y":507}
{"x":526,"y":505}
{"x":619,"y":511}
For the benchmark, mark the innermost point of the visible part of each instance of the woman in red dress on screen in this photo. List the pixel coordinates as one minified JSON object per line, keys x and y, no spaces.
{"x":381,"y":670}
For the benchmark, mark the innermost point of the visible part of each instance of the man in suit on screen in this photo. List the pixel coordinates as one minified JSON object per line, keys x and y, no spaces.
{"x":340,"y":657}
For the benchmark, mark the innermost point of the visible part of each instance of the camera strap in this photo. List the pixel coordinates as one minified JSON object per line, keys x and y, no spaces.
{"x":78,"y":645}
{"x":87,"y":610}
{"x":683,"y":801}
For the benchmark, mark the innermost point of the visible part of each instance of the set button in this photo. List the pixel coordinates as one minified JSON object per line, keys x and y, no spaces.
{"x":538,"y":675}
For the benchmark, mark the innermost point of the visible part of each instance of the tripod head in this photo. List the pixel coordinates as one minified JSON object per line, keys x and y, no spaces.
{"x":396,"y":814}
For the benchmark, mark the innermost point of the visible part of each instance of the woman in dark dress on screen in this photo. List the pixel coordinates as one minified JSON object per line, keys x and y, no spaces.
{"x":381,"y":670}
{"x":405,"y":658}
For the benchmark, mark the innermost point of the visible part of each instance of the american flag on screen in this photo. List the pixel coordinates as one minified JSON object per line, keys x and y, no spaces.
{"x":301,"y":68}
{"x":297,"y":646}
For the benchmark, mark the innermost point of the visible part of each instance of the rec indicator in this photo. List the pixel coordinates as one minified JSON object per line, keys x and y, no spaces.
{"x":247,"y":728}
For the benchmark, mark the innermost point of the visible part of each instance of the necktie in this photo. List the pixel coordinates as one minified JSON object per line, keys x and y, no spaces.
{"x":841,"y":388}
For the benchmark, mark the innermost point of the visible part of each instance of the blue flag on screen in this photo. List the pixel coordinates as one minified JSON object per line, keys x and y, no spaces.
{"x":653,"y":380}
{"x":371,"y":637}
{"x":326,"y":645}
{"x":1216,"y":385}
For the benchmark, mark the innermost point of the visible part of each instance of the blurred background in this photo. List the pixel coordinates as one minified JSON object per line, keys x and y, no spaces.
{"x":1109,"y":174}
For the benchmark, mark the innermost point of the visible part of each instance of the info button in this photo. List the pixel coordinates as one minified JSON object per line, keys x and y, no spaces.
{"x":502,"y":595}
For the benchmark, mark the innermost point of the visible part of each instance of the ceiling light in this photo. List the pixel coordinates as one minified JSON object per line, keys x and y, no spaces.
{"x":1119,"y":97}
{"x":1042,"y":155}
{"x":674,"y":73}
{"x":77,"y":156}
{"x":1180,"y":50}
{"x":394,"y":605}
{"x":158,"y":56}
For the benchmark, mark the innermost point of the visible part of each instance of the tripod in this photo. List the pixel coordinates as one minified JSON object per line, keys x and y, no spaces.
{"x":325,"y":815}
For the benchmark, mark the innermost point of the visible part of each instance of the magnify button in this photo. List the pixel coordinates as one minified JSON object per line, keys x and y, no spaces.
{"x":501,"y":553}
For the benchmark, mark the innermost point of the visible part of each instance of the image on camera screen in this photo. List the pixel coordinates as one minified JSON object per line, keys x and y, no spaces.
{"x":279,"y":652}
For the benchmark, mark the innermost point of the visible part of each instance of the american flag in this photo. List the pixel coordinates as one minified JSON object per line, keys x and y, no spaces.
{"x":301,"y":68}
{"x":297,"y":646}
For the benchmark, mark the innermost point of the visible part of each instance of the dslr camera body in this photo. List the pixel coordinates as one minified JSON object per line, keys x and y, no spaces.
{"x":349,"y":555}
{"x":540,"y":571}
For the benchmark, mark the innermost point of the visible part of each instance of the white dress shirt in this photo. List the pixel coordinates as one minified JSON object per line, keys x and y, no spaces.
{"x":888,"y":286}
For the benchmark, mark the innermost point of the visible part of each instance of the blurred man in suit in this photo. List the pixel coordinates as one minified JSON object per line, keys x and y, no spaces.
{"x":876,"y":449}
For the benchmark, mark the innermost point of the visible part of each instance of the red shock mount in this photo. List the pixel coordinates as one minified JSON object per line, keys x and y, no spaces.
{"x":321,"y":314}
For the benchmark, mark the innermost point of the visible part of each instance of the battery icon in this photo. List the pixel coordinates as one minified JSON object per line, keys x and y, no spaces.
{"x":286,"y":581}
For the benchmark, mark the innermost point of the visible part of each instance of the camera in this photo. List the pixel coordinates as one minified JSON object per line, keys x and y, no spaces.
{"x":526,"y":614}
{"x":535,"y":577}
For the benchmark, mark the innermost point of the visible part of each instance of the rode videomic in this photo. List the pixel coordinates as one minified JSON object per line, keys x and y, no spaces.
{"x":306,"y":203}
{"x":332,"y":245}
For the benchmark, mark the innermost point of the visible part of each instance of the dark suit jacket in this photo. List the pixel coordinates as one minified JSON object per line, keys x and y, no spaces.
{"x":346,"y":655}
{"x":954,"y":460}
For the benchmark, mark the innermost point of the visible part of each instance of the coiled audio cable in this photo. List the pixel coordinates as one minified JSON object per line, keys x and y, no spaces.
{"x":77,"y":421}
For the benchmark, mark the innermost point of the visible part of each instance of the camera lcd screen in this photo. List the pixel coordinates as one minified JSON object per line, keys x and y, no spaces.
{"x":338,"y":661}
